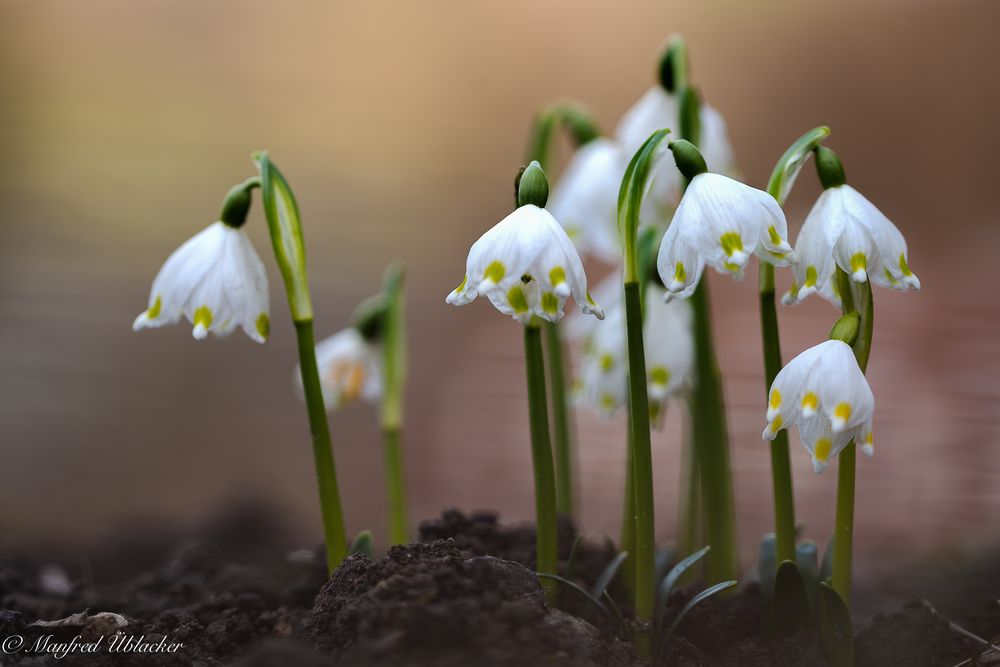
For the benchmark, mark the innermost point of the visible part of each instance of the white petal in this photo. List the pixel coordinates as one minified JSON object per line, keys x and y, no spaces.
{"x":814,"y":249}
{"x":655,"y":110}
{"x":669,"y":344}
{"x":349,"y":369}
{"x":715,"y":146}
{"x":845,"y":398}
{"x":678,"y":261}
{"x":786,"y":393}
{"x":891,"y":269}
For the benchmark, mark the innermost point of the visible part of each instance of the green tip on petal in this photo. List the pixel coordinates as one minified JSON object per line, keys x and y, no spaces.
{"x":264,"y":326}
{"x":532,"y":186}
{"x":829,"y":168}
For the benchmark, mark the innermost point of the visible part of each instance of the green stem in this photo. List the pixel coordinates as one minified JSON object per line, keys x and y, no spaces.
{"x":712,"y":444}
{"x":847,"y":460}
{"x":541,"y":455}
{"x":561,"y":429}
{"x":642,"y":466}
{"x":628,"y":520}
{"x":326,"y":472}
{"x":395,"y":486}
{"x":781,"y":466}
{"x":690,"y":515}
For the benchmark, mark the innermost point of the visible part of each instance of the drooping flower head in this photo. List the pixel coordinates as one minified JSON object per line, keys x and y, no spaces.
{"x":215,"y":279}
{"x":585,"y":199}
{"x":526,"y":265}
{"x":719,"y":222}
{"x":350,"y":368}
{"x":824,"y":392}
{"x":844,"y":230}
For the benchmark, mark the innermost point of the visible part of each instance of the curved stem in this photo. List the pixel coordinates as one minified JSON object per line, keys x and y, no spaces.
{"x":326,"y":473}
{"x":541,"y":457}
{"x":561,"y":425}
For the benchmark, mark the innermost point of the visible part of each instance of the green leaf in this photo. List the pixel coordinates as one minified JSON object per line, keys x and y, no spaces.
{"x":692,"y":603}
{"x":285,"y":226}
{"x":836,"y":628}
{"x":669,"y":581}
{"x":788,"y":166}
{"x":363,"y":543}
{"x":826,"y":565}
{"x":767,"y":563}
{"x":790,"y":606}
{"x":571,"y":559}
{"x":613,"y":606}
{"x":630,"y":196}
{"x":608,"y":574}
{"x":579,"y":589}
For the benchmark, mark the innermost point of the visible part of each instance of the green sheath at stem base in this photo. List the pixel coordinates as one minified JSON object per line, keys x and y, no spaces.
{"x":642,"y":468}
{"x":326,"y":473}
{"x":395,"y":486}
{"x":546,"y":554}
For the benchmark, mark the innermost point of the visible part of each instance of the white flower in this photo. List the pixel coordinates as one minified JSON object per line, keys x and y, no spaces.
{"x":719,"y":222}
{"x":217,"y":281}
{"x":824,"y":392}
{"x":349,"y":368}
{"x":845,"y":230}
{"x":669,"y":347}
{"x":526,"y":265}
{"x":655,"y":110}
{"x":585,"y":199}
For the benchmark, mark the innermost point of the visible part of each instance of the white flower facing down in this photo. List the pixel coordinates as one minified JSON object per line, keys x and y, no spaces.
{"x":585,"y":199}
{"x":526,"y":266}
{"x":349,"y":368}
{"x":824,"y":392}
{"x":217,"y":281}
{"x":845,"y":230}
{"x":655,"y":110}
{"x":719,"y":222}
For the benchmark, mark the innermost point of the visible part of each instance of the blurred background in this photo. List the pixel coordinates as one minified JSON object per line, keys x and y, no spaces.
{"x":123,"y":124}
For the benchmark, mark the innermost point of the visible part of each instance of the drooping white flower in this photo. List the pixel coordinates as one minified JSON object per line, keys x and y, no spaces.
{"x":217,"y":281}
{"x":826,"y":394}
{"x":585,"y":199}
{"x":719,"y":222}
{"x":350,"y":368}
{"x":658,"y":109}
{"x":526,"y":265}
{"x":845,"y":230}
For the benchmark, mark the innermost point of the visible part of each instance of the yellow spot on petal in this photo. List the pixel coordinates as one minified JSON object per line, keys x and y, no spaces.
{"x":203,"y":316}
{"x":590,"y":300}
{"x":904,"y":267}
{"x":810,"y":276}
{"x":608,"y":402}
{"x":607,"y":362}
{"x":495,"y":271}
{"x":775,"y":399}
{"x":557,"y":275}
{"x":515,"y":295}
{"x":462,"y":286}
{"x":680,"y":275}
{"x":264,"y":325}
{"x":550,"y":304}
{"x":659,"y":375}
{"x":869,"y":439}
{"x":859,"y":262}
{"x":823,"y":448}
{"x":154,"y":310}
{"x":810,"y":400}
{"x":775,"y":237}
{"x":888,"y":276}
{"x":776,"y":424}
{"x":731,"y":242}
{"x":842,"y":411}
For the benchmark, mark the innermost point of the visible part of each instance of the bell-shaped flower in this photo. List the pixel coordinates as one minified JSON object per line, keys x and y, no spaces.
{"x":824,"y":393}
{"x":603,"y":377}
{"x":658,"y":109}
{"x":585,"y":199}
{"x":720,"y":222}
{"x":350,"y":368}
{"x":526,"y":266}
{"x":844,"y":230}
{"x":217,"y":281}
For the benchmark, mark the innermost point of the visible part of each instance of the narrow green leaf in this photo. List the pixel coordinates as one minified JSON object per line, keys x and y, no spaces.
{"x":788,"y":166}
{"x":608,"y":574}
{"x":790,"y":607}
{"x":767,"y":563}
{"x":285,"y":226}
{"x":571,"y":559}
{"x":836,"y":628}
{"x":363,"y":543}
{"x":579,"y":589}
{"x":826,"y":565}
{"x":613,"y":606}
{"x":669,"y":581}
{"x":692,"y":603}
{"x":633,"y":189}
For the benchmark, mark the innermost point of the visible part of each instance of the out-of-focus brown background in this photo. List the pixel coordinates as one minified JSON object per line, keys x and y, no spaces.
{"x":400,"y":127}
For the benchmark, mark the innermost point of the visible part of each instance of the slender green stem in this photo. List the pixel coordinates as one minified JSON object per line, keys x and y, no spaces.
{"x":781,"y":467}
{"x":642,"y":468}
{"x":690,"y":514}
{"x":395,"y":486}
{"x":561,"y":428}
{"x":847,"y":460}
{"x":541,"y":456}
{"x":628,"y":520}
{"x":326,"y":471}
{"x":712,"y":444}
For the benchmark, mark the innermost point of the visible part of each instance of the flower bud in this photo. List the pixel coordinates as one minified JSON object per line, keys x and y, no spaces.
{"x":829,"y":168}
{"x":688,"y":158}
{"x":532,"y":186}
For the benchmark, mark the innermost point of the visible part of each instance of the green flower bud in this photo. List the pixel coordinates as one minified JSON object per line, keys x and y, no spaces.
{"x":532,"y":186}
{"x":369,"y":316}
{"x":688,"y":158}
{"x":829,"y":168}
{"x":236,"y":205}
{"x":846,"y":328}
{"x":672,"y":72}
